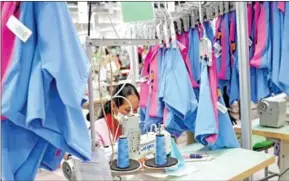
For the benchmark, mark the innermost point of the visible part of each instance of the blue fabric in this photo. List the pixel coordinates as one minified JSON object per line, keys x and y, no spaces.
{"x":175,"y":125}
{"x":17,"y":144}
{"x":263,"y":74}
{"x":209,"y":30}
{"x":160,"y":104}
{"x":28,"y":170}
{"x":226,"y":137}
{"x":205,"y":124}
{"x":277,"y":32}
{"x":234,"y":94}
{"x":226,"y":22}
{"x":150,"y":120}
{"x":175,"y":153}
{"x":176,"y":90}
{"x":284,"y":64}
{"x":177,"y":93}
{"x":194,"y":53}
{"x":51,"y":160}
{"x":45,"y":85}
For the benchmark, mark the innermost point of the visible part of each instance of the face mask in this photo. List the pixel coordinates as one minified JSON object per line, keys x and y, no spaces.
{"x":119,"y":117}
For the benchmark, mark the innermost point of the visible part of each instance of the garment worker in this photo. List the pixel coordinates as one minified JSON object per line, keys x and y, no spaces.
{"x":110,"y":125}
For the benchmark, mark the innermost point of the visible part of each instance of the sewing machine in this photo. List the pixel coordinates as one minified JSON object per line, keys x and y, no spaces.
{"x":272,"y":111}
{"x":140,"y":146}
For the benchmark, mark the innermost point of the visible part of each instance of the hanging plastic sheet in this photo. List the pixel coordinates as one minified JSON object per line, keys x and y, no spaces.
{"x":37,"y":79}
{"x":284,"y":64}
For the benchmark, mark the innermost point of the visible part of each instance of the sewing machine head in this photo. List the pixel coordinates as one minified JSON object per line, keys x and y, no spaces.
{"x":140,"y":145}
{"x":273,"y":110}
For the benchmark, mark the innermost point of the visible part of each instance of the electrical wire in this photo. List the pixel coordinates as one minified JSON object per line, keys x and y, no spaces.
{"x":89,"y":19}
{"x":129,"y":74}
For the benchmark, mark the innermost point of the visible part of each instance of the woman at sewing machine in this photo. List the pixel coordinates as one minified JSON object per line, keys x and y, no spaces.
{"x":108,"y":124}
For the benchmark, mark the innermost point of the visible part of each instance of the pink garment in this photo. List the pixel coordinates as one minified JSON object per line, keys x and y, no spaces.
{"x":153,"y":83}
{"x":8,"y":38}
{"x":184,"y":52}
{"x":102,"y":133}
{"x":222,"y":74}
{"x":281,"y":6}
{"x":214,"y":89}
{"x":256,"y":8}
{"x":144,"y":87}
{"x":232,"y":38}
{"x":261,"y":38}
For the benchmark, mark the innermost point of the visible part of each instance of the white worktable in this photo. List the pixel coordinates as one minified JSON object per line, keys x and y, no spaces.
{"x":228,"y":164}
{"x":280,"y":134}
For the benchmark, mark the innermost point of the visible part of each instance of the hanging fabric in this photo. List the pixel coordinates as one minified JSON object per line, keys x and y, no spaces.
{"x":224,"y":71}
{"x":8,"y":38}
{"x":176,"y":81}
{"x":234,"y":94}
{"x":206,"y":128}
{"x":283,"y":76}
{"x":277,"y":17}
{"x":46,"y":72}
{"x":263,"y":52}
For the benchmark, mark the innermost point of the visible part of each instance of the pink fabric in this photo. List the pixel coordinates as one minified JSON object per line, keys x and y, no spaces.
{"x":222,"y":73}
{"x":165,"y":116}
{"x":232,"y":37}
{"x":144,"y":87}
{"x":257,"y":8}
{"x":153,"y":83}
{"x":261,"y":40}
{"x":281,"y":6}
{"x":8,"y":38}
{"x":184,"y":52}
{"x":214,"y":88}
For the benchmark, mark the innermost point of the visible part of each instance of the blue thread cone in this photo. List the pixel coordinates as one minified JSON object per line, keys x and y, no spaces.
{"x":161,"y":155}
{"x":123,"y":153}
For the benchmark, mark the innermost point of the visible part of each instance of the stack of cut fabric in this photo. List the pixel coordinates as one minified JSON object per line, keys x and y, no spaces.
{"x":43,"y":83}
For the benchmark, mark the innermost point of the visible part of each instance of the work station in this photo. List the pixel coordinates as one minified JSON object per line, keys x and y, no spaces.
{"x":144,"y":91}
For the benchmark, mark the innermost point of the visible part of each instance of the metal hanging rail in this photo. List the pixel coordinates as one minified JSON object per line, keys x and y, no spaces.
{"x":122,"y":42}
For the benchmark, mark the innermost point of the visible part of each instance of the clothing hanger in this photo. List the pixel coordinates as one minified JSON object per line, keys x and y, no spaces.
{"x":205,"y":43}
{"x":193,"y":18}
{"x":172,"y":30}
{"x":226,"y":7}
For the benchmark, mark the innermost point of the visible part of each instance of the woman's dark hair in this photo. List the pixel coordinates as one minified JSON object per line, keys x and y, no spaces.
{"x":127,"y":90}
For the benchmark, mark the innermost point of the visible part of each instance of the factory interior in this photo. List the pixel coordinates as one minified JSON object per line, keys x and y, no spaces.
{"x":144,"y":90}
